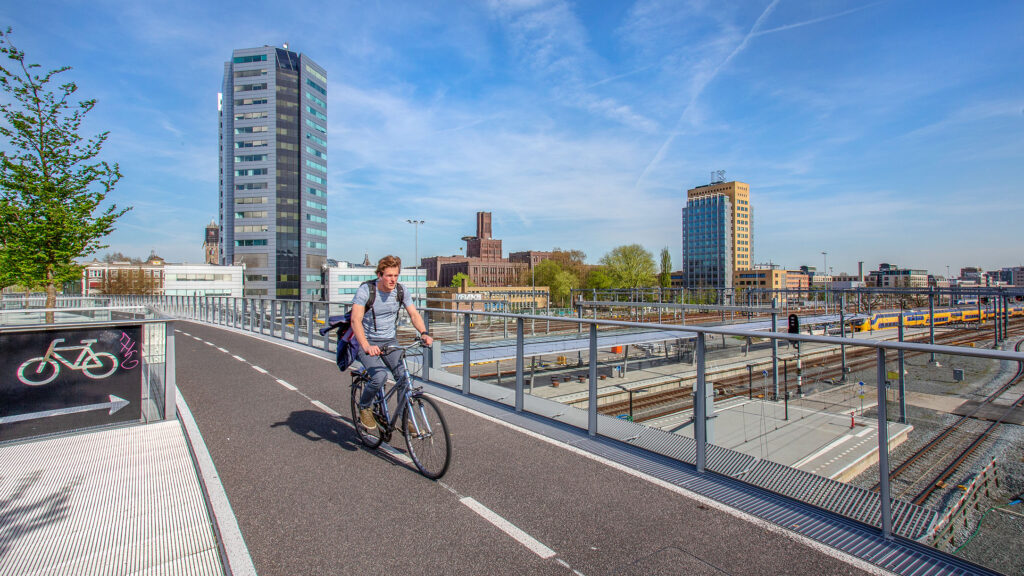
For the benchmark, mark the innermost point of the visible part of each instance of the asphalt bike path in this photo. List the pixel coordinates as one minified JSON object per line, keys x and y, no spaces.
{"x":310,"y":499}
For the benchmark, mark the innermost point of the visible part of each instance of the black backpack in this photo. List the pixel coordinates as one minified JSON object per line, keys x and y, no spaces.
{"x":346,"y":352}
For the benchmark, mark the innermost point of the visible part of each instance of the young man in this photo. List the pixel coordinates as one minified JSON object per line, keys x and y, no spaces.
{"x":375,"y":328}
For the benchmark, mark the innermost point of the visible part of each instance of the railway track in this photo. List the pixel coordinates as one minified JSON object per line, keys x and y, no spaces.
{"x":663,"y":403}
{"x":926,"y":474}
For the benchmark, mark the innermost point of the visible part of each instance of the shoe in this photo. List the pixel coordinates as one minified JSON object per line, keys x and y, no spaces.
{"x":366,"y":418}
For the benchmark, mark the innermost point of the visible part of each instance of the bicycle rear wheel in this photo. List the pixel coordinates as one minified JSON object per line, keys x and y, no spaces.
{"x":369,"y":438}
{"x":426,"y":435}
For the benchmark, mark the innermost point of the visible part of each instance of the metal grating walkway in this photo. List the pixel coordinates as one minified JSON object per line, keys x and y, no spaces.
{"x":111,"y":502}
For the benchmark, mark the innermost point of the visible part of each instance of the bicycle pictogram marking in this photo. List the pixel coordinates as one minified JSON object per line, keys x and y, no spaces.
{"x":44,"y":369}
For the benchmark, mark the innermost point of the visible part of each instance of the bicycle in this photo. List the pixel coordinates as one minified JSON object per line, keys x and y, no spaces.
{"x":422,"y":423}
{"x":87,"y":360}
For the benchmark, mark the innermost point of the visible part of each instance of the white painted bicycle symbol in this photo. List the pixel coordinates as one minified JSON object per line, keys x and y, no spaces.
{"x":43,"y":369}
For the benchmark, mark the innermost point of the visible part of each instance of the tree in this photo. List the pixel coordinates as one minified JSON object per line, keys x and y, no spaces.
{"x":599,"y":278}
{"x":119,"y":257}
{"x":50,"y":188}
{"x":665,"y":277}
{"x":457,"y":280}
{"x":559,"y":281}
{"x":630,"y":266}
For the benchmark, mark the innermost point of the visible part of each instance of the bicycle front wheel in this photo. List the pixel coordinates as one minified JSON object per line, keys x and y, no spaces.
{"x":371,"y":438}
{"x":426,"y":435}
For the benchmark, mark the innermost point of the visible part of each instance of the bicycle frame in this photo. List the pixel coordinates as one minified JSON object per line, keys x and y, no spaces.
{"x":87,"y":352}
{"x":408,"y":394}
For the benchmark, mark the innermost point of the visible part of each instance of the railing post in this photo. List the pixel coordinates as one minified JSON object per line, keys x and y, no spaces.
{"x":465,"y":354}
{"x":309,"y":324}
{"x":170,"y":373}
{"x":427,"y":354}
{"x":775,"y":350}
{"x":842,"y":334}
{"x":520,"y":328}
{"x":296,"y":309}
{"x":700,"y":406}
{"x":902,"y":378}
{"x":273,"y":316}
{"x":931,"y":326}
{"x":592,"y":396}
{"x":883,"y":451}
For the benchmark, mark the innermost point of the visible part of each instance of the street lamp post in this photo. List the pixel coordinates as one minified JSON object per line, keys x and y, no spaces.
{"x":824,"y":271}
{"x":416,"y":228}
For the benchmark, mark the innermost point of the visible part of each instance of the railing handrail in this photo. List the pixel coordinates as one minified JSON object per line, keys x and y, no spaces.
{"x":720,"y":331}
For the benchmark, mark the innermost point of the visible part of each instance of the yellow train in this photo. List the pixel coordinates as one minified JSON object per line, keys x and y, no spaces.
{"x":883,"y":320}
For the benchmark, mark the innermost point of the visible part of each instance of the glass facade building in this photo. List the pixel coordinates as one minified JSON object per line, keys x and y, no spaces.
{"x":718,"y":236}
{"x":273,"y":171}
{"x":707,"y":250}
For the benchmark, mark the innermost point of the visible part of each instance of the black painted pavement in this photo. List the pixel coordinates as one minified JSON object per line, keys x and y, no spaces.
{"x":311,"y":500}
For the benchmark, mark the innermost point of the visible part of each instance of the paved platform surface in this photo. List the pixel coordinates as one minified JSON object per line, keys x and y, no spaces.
{"x":119,"y":501}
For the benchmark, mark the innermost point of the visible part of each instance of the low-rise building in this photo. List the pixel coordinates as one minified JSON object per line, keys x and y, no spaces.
{"x":513,"y":299}
{"x":156,"y":277}
{"x":203,"y":280}
{"x":342,"y":279}
{"x":892,"y":276}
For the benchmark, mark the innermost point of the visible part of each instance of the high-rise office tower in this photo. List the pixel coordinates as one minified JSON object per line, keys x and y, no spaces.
{"x":273,"y":171}
{"x":718,"y":234}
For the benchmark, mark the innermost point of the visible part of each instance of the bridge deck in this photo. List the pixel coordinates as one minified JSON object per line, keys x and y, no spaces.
{"x":524,"y":494}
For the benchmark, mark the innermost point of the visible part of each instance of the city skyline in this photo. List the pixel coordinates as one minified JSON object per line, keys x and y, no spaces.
{"x":882,"y":132}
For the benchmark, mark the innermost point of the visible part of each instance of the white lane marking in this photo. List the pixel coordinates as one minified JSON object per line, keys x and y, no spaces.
{"x":509,"y":528}
{"x":864,"y":432}
{"x":325,"y":408}
{"x":223,"y":350}
{"x":566,"y":564}
{"x":287,"y":385}
{"x":258,"y":369}
{"x":396,"y":453}
{"x":763,"y":524}
{"x":239,"y":358}
{"x":827,"y":448}
{"x":207,"y":343}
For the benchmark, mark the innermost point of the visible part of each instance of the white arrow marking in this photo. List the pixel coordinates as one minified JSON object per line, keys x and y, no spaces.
{"x":115,"y":404}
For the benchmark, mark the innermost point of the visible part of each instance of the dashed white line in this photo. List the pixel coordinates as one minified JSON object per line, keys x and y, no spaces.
{"x":287,"y":385}
{"x":223,"y":350}
{"x":566,"y":564}
{"x":208,"y":343}
{"x":258,"y":369}
{"x":396,"y":453}
{"x":509,"y":528}
{"x":324,"y":407}
{"x":239,"y":358}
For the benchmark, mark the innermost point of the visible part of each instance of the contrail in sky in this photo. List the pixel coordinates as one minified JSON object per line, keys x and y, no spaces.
{"x":700,"y":89}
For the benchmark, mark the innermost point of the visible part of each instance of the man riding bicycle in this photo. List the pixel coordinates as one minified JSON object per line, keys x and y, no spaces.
{"x":375,"y":328}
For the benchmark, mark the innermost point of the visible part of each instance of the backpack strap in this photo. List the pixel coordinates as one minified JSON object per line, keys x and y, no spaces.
{"x":372,"y":286}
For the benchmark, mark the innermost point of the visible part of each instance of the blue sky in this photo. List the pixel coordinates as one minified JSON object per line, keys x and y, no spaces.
{"x":879,"y":132}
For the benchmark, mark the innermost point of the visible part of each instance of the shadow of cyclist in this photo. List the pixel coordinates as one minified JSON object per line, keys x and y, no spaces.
{"x":316,"y":425}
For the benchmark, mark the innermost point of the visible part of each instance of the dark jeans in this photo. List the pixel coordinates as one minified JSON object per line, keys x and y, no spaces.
{"x":379,"y":367}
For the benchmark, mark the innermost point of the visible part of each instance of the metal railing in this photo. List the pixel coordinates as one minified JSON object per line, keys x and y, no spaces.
{"x":468,"y":341}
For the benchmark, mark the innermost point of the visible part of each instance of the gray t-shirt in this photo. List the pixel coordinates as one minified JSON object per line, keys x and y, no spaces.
{"x":386,"y":308}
